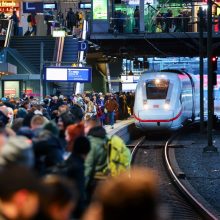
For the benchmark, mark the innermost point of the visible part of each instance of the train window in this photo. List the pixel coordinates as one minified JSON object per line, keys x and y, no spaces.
{"x":157,"y":89}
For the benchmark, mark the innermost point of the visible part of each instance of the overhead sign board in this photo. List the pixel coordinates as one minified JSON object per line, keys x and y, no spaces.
{"x":68,"y":74}
{"x":29,"y":7}
{"x":100,"y":9}
{"x":129,"y":79}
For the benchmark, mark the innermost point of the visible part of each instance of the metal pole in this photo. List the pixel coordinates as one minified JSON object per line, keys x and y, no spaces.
{"x":210,"y":147}
{"x":41,"y":69}
{"x":80,"y":86}
{"x":141,"y":17}
{"x":201,"y":68}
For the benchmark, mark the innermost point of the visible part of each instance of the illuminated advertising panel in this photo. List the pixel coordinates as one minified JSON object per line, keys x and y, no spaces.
{"x":100,"y":9}
{"x":68,"y":74}
{"x":126,"y":87}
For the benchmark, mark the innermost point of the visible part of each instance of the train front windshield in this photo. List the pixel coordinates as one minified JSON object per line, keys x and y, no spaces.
{"x":157,"y":89}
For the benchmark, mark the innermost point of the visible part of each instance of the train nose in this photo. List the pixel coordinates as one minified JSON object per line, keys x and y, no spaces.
{"x":155,"y":119}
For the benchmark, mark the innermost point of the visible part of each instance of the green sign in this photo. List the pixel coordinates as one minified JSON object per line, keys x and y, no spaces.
{"x":100,"y":9}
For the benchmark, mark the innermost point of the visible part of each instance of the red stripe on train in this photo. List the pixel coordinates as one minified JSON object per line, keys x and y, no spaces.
{"x":161,"y":120}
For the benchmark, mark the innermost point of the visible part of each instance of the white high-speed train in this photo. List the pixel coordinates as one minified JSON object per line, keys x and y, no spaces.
{"x":165,"y":100}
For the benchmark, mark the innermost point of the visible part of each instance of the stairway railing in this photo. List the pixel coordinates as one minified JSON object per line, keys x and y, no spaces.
{"x":8,"y":33}
{"x":58,"y":51}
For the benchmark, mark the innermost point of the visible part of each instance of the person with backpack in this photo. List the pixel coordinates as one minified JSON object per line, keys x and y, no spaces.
{"x":108,"y":156}
{"x":96,"y":160}
{"x":71,"y":20}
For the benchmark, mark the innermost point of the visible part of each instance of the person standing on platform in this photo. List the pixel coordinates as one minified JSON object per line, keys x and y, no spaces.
{"x":33,"y":24}
{"x":111,"y":106}
{"x":15,"y":19}
{"x":136,"y":17}
{"x":71,"y":20}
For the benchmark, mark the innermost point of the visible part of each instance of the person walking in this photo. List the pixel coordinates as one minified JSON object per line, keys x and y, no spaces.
{"x":111,"y":106}
{"x":33,"y":24}
{"x":15,"y":19}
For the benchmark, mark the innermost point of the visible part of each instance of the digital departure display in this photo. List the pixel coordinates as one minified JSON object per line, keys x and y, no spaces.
{"x":69,"y":74}
{"x":100,"y":9}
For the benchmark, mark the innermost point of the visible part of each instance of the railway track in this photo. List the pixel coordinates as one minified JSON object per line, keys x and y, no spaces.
{"x":176,"y":201}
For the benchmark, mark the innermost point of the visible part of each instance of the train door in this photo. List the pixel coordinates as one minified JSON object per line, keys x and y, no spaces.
{"x":186,"y":99}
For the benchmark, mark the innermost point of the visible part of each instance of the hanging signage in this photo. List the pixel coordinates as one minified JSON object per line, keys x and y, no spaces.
{"x":8,"y":4}
{"x":82,"y":45}
{"x":69,"y":74}
{"x":100,"y":9}
{"x":29,"y":7}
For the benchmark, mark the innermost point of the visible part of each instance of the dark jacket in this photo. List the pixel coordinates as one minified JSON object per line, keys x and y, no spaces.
{"x":73,"y":168}
{"x":76,"y":111}
{"x":47,"y":150}
{"x":75,"y":172}
{"x":71,"y":17}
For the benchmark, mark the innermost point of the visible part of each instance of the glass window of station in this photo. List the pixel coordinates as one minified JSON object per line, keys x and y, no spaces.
{"x":161,"y":15}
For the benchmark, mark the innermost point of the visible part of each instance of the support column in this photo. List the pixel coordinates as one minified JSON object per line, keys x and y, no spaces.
{"x":80,"y":86}
{"x":141,"y":9}
{"x":108,"y":78}
{"x":210,"y":147}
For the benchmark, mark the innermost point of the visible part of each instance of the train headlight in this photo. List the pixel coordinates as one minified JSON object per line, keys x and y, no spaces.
{"x":166,"y":106}
{"x":157,"y":81}
{"x":146,"y":106}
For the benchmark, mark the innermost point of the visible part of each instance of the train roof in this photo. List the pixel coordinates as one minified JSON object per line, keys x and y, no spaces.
{"x":166,"y":74}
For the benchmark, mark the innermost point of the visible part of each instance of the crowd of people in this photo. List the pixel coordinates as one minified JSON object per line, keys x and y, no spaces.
{"x":166,"y":22}
{"x":54,"y":154}
{"x":72,"y":22}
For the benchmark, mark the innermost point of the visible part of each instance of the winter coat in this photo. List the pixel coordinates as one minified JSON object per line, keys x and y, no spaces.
{"x":96,"y":160}
{"x":111,"y":105}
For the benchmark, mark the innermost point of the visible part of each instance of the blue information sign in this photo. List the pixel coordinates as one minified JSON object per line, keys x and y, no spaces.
{"x":83,"y":45}
{"x":69,"y":74}
{"x":29,"y":7}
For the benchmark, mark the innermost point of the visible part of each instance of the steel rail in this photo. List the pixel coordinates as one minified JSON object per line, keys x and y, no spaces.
{"x":202,"y":209}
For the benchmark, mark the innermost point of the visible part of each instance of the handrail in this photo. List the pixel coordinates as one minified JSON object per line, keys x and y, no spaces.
{"x":58,"y":51}
{"x":8,"y":34}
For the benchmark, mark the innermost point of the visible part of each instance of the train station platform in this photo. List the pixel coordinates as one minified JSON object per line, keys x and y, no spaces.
{"x":120,"y":124}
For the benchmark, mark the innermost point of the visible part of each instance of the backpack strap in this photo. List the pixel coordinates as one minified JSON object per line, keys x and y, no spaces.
{"x":108,"y":147}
